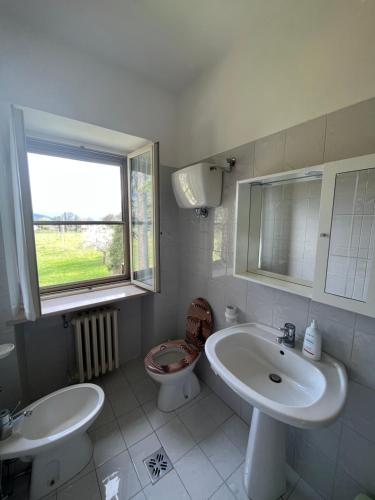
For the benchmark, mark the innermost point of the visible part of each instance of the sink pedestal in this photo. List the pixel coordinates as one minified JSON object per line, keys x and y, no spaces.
{"x":282,"y":383}
{"x":265,"y":471}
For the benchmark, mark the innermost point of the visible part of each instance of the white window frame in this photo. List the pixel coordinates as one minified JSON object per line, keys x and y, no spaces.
{"x":50,"y":148}
{"x":153,"y":149}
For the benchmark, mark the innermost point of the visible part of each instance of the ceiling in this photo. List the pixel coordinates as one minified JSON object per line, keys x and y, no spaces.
{"x":169,"y":42}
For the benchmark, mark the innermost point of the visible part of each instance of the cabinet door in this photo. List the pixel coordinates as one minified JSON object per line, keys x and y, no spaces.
{"x":345,"y":254}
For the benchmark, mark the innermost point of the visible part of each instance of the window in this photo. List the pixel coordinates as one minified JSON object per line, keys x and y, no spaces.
{"x":144,"y":220}
{"x":79,"y":215}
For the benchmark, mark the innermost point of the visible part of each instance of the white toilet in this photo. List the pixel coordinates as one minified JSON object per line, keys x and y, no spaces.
{"x":53,"y":435}
{"x":171,"y":363}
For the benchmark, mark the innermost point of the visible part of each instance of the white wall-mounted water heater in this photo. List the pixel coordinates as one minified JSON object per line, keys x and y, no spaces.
{"x":198,"y":186}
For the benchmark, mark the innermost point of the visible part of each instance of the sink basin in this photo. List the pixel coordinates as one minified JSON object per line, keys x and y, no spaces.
{"x":284,"y":387}
{"x":310,"y":394}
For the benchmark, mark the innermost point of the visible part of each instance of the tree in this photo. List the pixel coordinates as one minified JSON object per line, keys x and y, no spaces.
{"x":99,"y":237}
{"x":116,"y":251}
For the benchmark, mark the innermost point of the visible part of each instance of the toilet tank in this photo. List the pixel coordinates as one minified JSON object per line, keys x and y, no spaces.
{"x":198,"y":186}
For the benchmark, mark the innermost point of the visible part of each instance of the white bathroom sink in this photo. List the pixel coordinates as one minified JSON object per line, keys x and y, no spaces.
{"x":310,"y":394}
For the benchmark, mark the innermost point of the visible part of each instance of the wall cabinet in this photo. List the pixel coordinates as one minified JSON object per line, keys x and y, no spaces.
{"x":311,"y":232}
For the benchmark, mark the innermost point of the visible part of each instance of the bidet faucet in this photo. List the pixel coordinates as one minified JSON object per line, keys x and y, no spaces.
{"x":8,"y":420}
{"x":289,"y":337}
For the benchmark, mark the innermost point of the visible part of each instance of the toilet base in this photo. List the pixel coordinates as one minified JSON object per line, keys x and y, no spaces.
{"x":57,"y":466}
{"x":173,"y":395}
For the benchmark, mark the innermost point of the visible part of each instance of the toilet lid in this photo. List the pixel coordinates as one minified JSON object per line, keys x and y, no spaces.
{"x":199,"y":323}
{"x":175,"y":355}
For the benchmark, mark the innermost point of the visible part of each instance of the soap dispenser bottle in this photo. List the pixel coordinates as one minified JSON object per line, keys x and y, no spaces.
{"x":312,"y":343}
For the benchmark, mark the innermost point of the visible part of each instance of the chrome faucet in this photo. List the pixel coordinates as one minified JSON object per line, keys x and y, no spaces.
{"x":9,"y":419}
{"x":289,"y":337}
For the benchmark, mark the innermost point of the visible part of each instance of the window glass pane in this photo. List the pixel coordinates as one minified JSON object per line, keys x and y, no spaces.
{"x":142,"y":218}
{"x":64,"y":189}
{"x":71,"y":253}
{"x":352,"y":242}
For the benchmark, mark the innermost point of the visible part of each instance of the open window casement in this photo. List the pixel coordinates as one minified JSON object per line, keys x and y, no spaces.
{"x":143,"y":188}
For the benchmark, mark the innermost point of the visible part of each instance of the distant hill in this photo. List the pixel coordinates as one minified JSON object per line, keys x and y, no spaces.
{"x":66,"y":216}
{"x":41,"y":217}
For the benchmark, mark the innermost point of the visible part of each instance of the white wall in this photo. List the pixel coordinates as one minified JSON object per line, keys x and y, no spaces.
{"x":42,"y":74}
{"x":320,"y":58}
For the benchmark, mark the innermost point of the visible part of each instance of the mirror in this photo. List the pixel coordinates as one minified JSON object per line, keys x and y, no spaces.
{"x":283,"y":228}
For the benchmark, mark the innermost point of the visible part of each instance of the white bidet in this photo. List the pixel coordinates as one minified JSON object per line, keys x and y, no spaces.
{"x":54,"y":436}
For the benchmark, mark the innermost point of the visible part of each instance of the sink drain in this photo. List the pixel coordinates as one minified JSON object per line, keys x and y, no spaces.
{"x":275,"y":378}
{"x":158,"y":464}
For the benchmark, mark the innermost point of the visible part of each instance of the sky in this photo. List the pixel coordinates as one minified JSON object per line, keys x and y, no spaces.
{"x":88,"y":189}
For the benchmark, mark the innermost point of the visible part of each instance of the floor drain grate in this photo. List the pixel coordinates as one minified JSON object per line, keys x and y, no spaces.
{"x":158,"y":464}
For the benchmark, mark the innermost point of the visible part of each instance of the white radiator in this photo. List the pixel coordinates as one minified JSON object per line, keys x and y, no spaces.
{"x":96,"y":335}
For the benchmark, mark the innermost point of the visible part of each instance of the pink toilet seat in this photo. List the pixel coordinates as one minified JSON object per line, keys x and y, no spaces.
{"x":191,"y":354}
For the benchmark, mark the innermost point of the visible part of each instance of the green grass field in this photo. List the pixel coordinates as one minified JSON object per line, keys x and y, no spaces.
{"x":62,"y":258}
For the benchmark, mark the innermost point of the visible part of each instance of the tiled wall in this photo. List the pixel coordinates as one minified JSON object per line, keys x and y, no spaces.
{"x":337,"y":461}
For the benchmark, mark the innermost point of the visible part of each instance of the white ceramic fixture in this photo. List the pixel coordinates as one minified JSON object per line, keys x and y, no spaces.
{"x":54,"y":436}
{"x":284,"y":387}
{"x":5,"y":350}
{"x":172,"y":363}
{"x":178,"y":388}
{"x":198,"y":186}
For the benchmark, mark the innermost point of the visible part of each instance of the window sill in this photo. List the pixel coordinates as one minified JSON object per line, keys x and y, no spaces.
{"x":69,"y":302}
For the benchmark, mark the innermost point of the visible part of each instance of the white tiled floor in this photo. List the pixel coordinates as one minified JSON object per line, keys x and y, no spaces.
{"x":134,"y":426}
{"x":108,"y":442}
{"x":225,"y":463}
{"x":139,"y":452}
{"x":205,"y":441}
{"x":176,"y":439}
{"x":198,"y":475}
